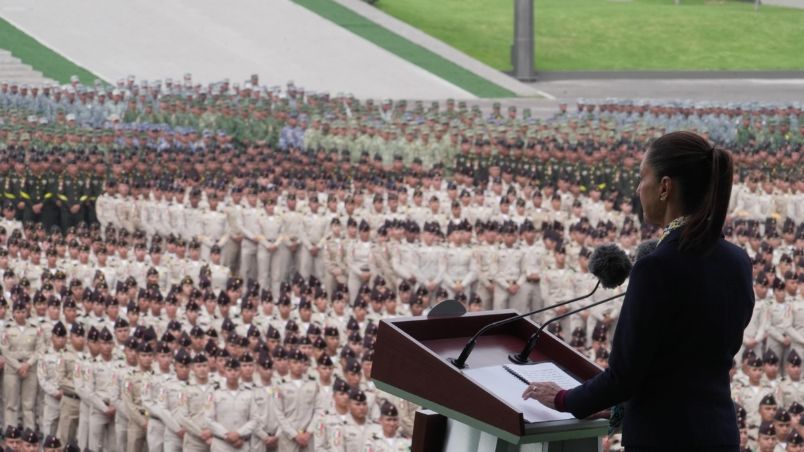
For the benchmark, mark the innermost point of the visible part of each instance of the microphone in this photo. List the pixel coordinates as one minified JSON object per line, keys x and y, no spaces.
{"x":643,"y":249}
{"x":608,"y":263}
{"x":523,"y":356}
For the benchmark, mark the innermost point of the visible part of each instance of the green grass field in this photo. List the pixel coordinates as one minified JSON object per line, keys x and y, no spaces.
{"x":41,"y":58}
{"x":619,"y":34}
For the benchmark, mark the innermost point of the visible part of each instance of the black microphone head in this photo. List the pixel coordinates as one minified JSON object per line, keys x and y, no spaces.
{"x":645,"y":248}
{"x":610,"y":265}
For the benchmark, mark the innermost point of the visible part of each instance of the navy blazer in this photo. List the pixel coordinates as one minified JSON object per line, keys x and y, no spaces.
{"x":681,"y":324}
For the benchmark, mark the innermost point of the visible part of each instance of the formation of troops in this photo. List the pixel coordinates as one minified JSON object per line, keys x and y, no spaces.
{"x":189,"y":267}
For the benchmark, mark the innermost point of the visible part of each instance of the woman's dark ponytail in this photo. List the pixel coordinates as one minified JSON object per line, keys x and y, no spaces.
{"x":704,"y":176}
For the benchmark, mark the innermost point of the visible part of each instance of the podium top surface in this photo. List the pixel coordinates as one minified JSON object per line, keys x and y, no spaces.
{"x":411,"y":361}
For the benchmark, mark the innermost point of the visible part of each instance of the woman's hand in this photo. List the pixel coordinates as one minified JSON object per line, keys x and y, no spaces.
{"x":544,"y":393}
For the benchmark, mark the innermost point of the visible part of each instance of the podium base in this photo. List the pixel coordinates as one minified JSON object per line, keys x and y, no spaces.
{"x":434,"y":432}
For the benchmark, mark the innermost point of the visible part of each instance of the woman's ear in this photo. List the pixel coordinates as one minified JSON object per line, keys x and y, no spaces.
{"x":665,"y":188}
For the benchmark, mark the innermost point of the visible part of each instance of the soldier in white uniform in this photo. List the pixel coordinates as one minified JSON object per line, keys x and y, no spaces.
{"x":387,"y":436}
{"x":757,"y":330}
{"x":359,"y":262}
{"x":250,"y":230}
{"x":103,"y":389}
{"x":461,"y":268}
{"x":21,"y":345}
{"x":269,"y":237}
{"x":47,"y":374}
{"x":311,"y":253}
{"x":213,"y":229}
{"x":231,"y":416}
{"x":295,"y":406}
{"x":431,"y":264}
{"x":508,"y":275}
{"x":234,"y":235}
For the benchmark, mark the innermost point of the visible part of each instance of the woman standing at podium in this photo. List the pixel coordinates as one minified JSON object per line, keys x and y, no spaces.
{"x":684,"y":313}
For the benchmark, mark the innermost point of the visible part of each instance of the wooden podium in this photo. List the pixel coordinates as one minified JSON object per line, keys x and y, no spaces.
{"x":411,"y":361}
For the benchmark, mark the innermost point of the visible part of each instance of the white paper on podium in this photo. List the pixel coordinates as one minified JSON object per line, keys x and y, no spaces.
{"x":509,"y":388}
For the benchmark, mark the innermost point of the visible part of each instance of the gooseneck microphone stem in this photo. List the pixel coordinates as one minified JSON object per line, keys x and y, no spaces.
{"x":460,"y":362}
{"x":523,"y":356}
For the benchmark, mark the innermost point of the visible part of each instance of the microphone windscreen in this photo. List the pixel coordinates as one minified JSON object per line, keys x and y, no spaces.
{"x":610,"y":265}
{"x":645,"y":248}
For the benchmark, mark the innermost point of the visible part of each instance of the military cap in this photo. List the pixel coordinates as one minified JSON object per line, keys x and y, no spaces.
{"x":754,"y":361}
{"x":794,"y":438}
{"x":59,"y":329}
{"x":232,"y":363}
{"x":353,"y":365}
{"x":93,"y":334}
{"x":388,"y":409}
{"x":13,"y":432}
{"x":272,"y":333}
{"x":325,"y":360}
{"x":29,"y":436}
{"x":20,"y":305}
{"x":51,"y":442}
{"x":105,"y":335}
{"x":769,"y":399}
{"x":182,"y":357}
{"x":199,"y":358}
{"x":767,"y":429}
{"x":770,"y":357}
{"x":132,"y":343}
{"x":145,"y":347}
{"x":331,"y":331}
{"x":781,"y":415}
{"x":298,"y":355}
{"x":793,"y":358}
{"x":264,"y":361}
{"x":795,"y":408}
{"x":357,"y":395}
{"x":120,"y":323}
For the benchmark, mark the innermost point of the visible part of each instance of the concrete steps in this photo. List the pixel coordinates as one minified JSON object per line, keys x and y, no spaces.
{"x":12,"y":69}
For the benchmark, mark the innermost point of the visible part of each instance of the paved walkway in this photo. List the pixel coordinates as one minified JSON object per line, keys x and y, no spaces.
{"x":277,"y":39}
{"x":788,"y":3}
{"x":441,"y":48}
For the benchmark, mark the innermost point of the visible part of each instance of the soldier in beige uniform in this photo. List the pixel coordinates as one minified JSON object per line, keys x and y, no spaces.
{"x":311,"y":254}
{"x":47,"y":374}
{"x":193,"y":406}
{"x":757,"y":330}
{"x":750,"y":395}
{"x":557,"y":285}
{"x":213,"y":226}
{"x":234,"y":235}
{"x":102,"y":389}
{"x":507,"y":274}
{"x":250,"y":230}
{"x":352,"y":434}
{"x":21,"y":345}
{"x":295,"y":406}
{"x":153,"y":395}
{"x":334,"y":258}
{"x":70,"y":403}
{"x":169,"y":401}
{"x":292,"y":229}
{"x":791,"y":387}
{"x":386,"y":435}
{"x":265,"y":432}
{"x":232,"y":415}
{"x":268,"y":243}
{"x":137,"y":382}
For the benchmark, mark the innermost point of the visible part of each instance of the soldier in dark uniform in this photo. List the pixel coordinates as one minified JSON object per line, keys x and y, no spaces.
{"x":95,"y":181}
{"x":33,"y":191}
{"x":71,"y":192}
{"x":14,"y":187}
